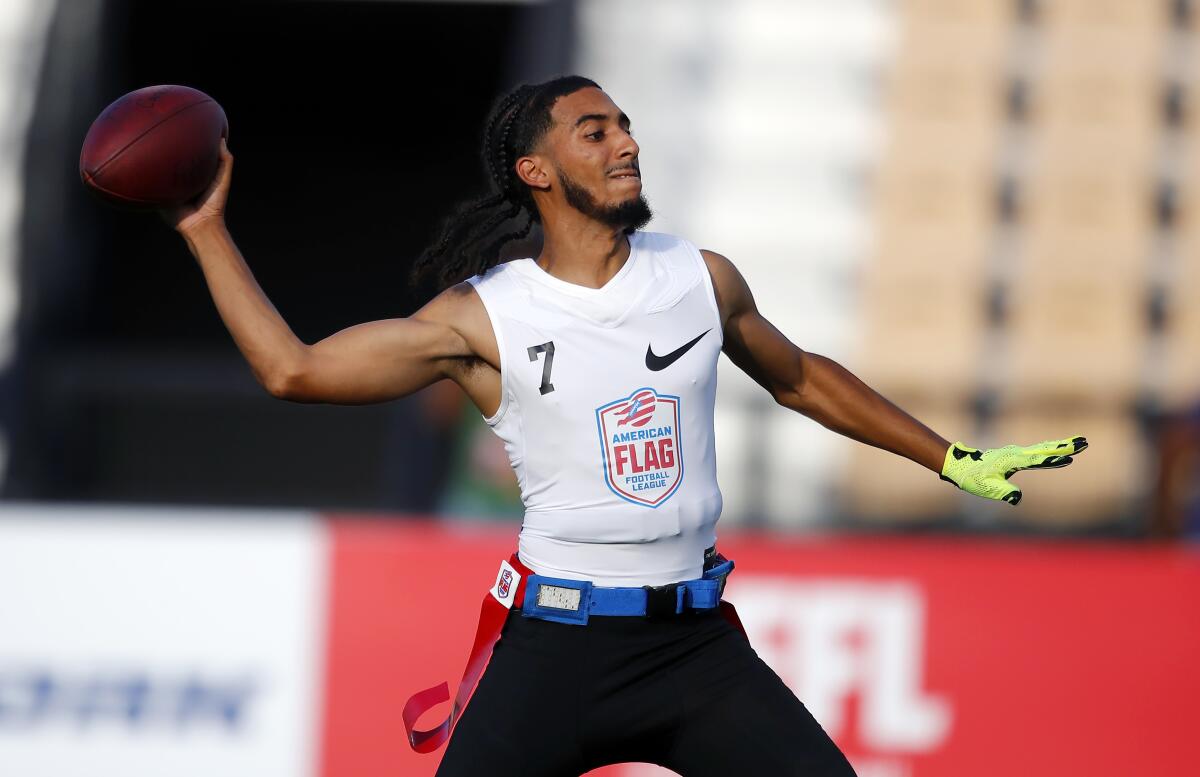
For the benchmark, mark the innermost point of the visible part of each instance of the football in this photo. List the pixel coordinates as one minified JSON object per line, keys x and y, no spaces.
{"x":153,"y":148}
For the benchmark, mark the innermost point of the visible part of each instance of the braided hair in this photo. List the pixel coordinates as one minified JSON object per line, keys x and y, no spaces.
{"x":470,"y":241}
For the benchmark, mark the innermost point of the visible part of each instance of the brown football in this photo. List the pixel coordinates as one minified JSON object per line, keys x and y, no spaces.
{"x":153,"y":148}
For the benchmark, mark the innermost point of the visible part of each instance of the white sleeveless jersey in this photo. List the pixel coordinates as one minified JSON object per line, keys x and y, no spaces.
{"x":607,"y":413}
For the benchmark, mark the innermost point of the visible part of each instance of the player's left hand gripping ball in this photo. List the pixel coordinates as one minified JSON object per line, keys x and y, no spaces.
{"x":986,"y":473}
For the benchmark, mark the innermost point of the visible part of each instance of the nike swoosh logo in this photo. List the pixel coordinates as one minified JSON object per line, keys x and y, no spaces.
{"x":657,"y":363}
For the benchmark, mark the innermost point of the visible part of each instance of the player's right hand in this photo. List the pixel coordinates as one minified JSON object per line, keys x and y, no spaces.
{"x":209,"y":207}
{"x":986,"y":473}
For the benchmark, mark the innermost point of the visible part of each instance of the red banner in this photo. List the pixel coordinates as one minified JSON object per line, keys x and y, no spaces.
{"x":922,"y":658}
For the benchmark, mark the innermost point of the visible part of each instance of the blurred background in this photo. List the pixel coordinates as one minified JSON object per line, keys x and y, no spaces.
{"x":987,"y":209}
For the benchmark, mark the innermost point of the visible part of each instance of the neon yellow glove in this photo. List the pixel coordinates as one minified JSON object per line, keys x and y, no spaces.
{"x":986,"y":473}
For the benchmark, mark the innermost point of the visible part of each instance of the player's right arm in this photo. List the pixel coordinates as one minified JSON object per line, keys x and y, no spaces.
{"x":371,"y":362}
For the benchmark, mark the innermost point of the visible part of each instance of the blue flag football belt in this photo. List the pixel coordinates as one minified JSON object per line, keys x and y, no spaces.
{"x":574,"y":601}
{"x":562,"y":601}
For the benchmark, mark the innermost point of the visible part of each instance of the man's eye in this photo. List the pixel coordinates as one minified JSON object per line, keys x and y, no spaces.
{"x":597,"y":135}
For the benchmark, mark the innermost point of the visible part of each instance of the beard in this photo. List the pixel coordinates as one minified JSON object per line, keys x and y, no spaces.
{"x":628,"y":216}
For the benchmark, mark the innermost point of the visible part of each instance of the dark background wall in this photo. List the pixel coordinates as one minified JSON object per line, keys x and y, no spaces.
{"x":355,"y":126}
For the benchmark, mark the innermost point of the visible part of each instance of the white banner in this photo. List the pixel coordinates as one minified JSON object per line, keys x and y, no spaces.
{"x":160,"y":642}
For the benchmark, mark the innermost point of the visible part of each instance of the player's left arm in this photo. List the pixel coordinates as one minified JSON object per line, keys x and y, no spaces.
{"x":831,"y":395}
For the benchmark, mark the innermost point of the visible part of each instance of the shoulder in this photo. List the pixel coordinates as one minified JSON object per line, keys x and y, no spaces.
{"x":681,"y":256}
{"x":460,"y":310}
{"x":466,"y":301}
{"x":454,"y":301}
{"x":732,"y":292}
{"x":671,"y":248}
{"x":661,"y":242}
{"x":494,"y":278}
{"x":718,"y":264}
{"x":729,"y":287}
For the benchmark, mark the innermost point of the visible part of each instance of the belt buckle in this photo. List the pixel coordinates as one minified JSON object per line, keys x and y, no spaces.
{"x":717,"y":567}
{"x":662,"y":601}
{"x":558,"y":600}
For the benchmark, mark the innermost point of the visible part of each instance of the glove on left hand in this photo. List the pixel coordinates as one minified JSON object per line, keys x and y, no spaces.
{"x":986,"y":473}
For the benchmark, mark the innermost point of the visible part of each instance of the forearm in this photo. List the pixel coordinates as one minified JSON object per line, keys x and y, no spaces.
{"x":264,"y":338}
{"x":833,"y":397}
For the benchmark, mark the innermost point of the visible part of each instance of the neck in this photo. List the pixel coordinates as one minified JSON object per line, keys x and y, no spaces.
{"x":583,"y":251}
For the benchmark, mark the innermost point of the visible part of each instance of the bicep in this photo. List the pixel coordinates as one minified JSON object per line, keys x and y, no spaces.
{"x":384,"y":360}
{"x":377,"y":361}
{"x":765,"y":354}
{"x":752,"y":342}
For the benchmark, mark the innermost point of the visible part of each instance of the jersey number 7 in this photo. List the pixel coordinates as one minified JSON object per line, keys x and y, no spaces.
{"x":548,"y":349}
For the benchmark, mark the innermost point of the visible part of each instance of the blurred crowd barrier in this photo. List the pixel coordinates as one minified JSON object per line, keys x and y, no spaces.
{"x":284,"y":644}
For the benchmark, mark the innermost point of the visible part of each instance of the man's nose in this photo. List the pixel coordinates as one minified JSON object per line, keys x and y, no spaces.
{"x":629,"y":148}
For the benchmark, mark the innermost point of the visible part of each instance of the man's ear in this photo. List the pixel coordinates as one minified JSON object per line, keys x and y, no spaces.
{"x":532,"y":170}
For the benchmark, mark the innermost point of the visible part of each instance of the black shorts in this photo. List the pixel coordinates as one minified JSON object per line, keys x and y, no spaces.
{"x":687,"y":693}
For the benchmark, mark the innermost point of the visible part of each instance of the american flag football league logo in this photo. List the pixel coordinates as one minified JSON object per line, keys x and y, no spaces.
{"x":505,"y":589}
{"x":639,"y":443}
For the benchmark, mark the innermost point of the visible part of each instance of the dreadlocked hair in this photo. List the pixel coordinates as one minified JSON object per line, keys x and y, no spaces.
{"x":471,"y":240}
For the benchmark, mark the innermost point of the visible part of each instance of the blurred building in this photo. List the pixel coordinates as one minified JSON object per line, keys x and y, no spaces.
{"x":759,"y":124}
{"x":981,"y":206}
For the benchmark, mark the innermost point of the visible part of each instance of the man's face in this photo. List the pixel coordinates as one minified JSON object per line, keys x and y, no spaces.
{"x":596,"y":159}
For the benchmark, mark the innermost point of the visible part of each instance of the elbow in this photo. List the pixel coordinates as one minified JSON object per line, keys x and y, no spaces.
{"x":796,"y":390}
{"x":787,"y":396}
{"x":281,"y":386}
{"x":791,"y":390}
{"x":286,"y":381}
